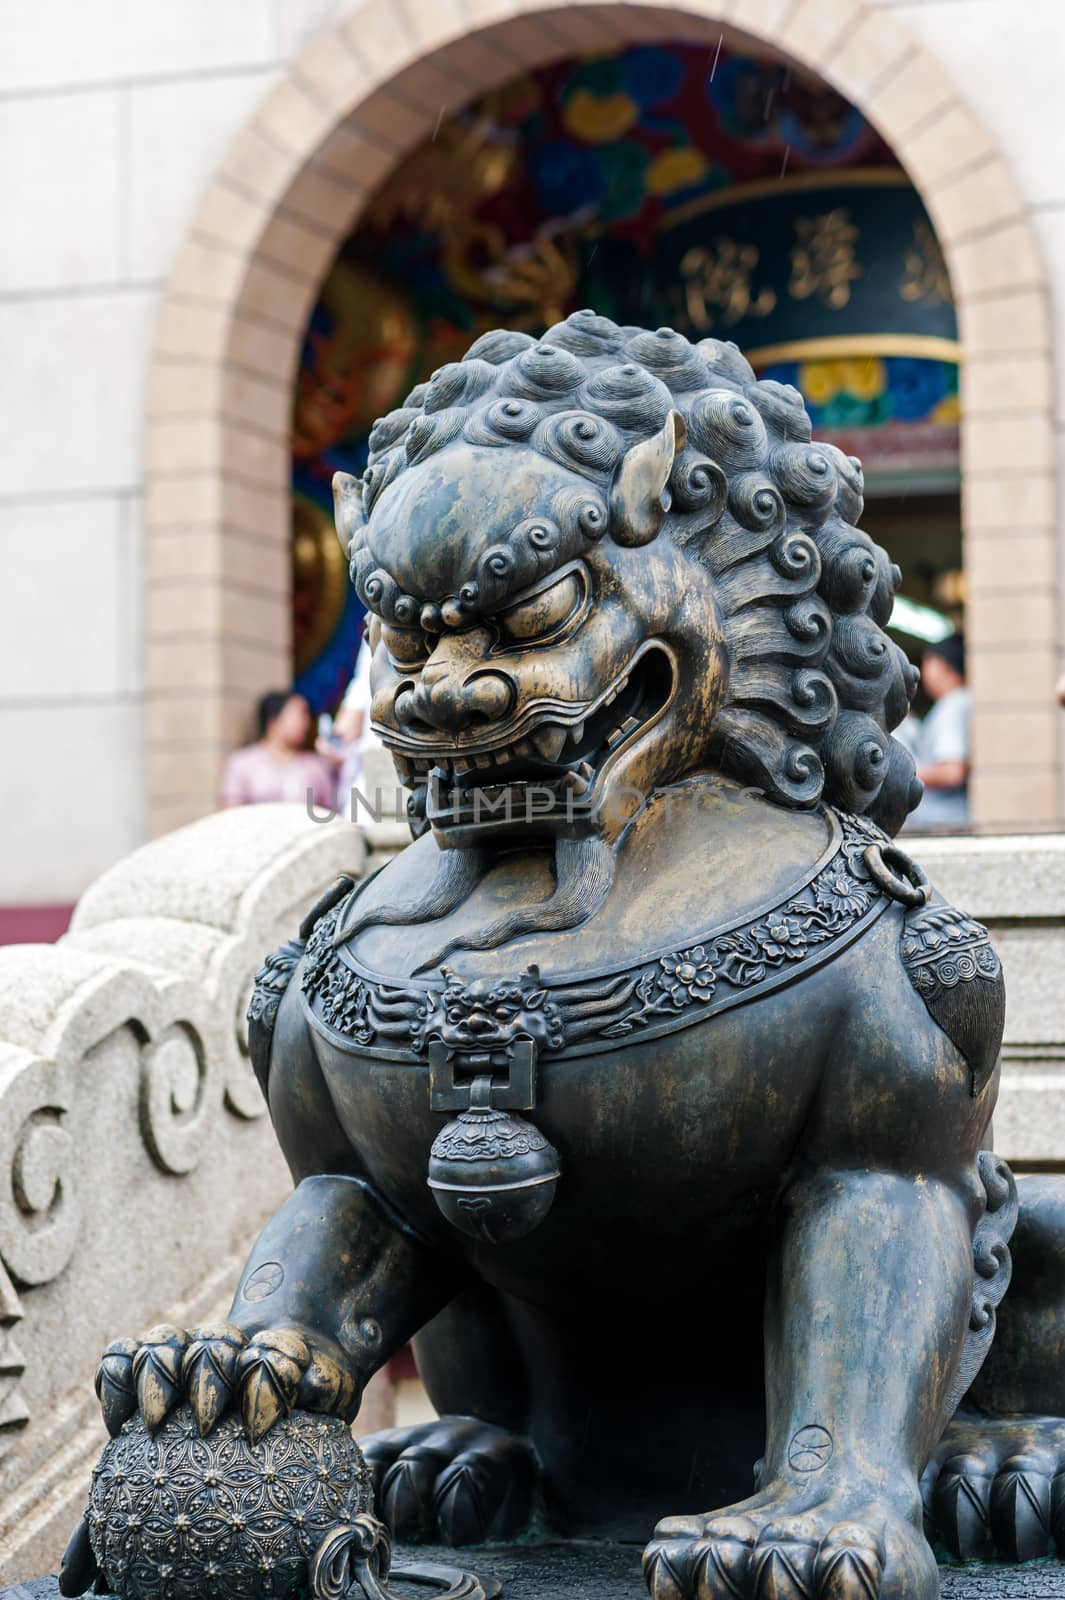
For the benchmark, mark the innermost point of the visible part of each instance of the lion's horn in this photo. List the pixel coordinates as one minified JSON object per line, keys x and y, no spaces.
{"x":639,"y":499}
{"x":347,"y":504}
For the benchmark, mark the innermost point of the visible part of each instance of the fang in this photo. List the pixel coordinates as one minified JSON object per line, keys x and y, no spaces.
{"x":549,"y":741}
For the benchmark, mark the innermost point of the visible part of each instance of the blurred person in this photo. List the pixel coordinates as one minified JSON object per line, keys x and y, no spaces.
{"x":279,"y":765}
{"x":908,"y":733}
{"x":942,"y":752}
{"x":352,"y":727}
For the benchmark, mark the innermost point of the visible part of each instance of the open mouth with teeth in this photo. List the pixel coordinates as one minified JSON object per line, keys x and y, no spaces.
{"x":546,"y":775}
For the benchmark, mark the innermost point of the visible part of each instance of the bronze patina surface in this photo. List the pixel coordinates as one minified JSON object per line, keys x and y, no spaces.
{"x":650,"y":1090}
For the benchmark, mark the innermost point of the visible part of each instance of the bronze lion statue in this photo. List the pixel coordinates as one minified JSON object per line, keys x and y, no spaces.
{"x":649,"y":1090}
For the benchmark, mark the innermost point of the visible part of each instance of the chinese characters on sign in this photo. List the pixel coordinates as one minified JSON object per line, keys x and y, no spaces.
{"x":722,"y":286}
{"x":822,"y":261}
{"x":718,"y":278}
{"x":925,"y":278}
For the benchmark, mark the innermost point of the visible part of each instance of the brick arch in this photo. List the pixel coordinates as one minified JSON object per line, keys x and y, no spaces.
{"x":288,"y":192}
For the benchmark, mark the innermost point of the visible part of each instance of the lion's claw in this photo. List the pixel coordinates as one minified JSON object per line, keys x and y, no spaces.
{"x":995,"y":1488}
{"x":959,"y":1512}
{"x":209,"y":1373}
{"x":268,"y":1373}
{"x":761,"y":1552}
{"x":666,"y":1566}
{"x":157,"y":1373}
{"x":115,"y":1388}
{"x":466,"y":1498}
{"x":850,"y":1561}
{"x":782,"y":1563}
{"x":407,"y":1499}
{"x":457,"y":1479}
{"x":1020,"y":1508}
{"x":722,"y":1558}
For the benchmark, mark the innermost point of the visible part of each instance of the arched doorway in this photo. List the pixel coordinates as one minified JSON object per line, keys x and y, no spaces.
{"x":286,"y":199}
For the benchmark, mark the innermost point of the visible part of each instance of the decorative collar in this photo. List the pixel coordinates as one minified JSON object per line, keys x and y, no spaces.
{"x":363,"y":1011}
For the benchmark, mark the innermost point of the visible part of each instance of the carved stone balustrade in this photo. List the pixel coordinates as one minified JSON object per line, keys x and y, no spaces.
{"x":136,"y":1158}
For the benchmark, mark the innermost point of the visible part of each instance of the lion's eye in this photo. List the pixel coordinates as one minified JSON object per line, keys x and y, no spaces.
{"x":543,"y":613}
{"x":408,"y":647}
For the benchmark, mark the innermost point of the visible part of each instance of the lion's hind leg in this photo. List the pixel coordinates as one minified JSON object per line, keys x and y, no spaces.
{"x":995,"y":1485}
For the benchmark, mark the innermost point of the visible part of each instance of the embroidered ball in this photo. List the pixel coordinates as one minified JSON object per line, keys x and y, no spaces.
{"x":173,"y":1516}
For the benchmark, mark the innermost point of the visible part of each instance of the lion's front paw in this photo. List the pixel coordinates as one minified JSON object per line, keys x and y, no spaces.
{"x":458,"y":1480}
{"x":763,"y":1551}
{"x":270,"y":1373}
{"x":995,"y":1488}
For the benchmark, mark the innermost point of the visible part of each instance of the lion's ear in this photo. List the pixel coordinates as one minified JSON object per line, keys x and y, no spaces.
{"x":639,"y":499}
{"x":347,"y":505}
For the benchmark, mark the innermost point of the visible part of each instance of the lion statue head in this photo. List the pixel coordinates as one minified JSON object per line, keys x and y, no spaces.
{"x":608,"y":559}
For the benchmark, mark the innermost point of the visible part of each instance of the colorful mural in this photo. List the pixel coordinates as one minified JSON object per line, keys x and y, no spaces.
{"x":898,"y":414}
{"x":722,"y":193}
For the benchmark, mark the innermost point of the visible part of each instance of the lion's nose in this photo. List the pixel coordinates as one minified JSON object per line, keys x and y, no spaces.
{"x":489,"y":695}
{"x":451,"y":701}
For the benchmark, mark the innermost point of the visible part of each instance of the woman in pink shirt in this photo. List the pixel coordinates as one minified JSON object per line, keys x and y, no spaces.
{"x":279,"y":766}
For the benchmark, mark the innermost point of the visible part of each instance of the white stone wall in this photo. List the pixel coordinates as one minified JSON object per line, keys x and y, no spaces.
{"x":113,"y":117}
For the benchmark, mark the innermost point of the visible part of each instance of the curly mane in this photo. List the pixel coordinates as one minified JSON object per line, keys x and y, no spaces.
{"x":815,"y":684}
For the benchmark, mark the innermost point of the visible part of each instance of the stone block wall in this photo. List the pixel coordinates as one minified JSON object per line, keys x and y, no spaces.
{"x":1016,"y":885}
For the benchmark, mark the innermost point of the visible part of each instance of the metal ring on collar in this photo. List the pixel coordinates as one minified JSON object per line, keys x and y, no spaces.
{"x":897,"y":874}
